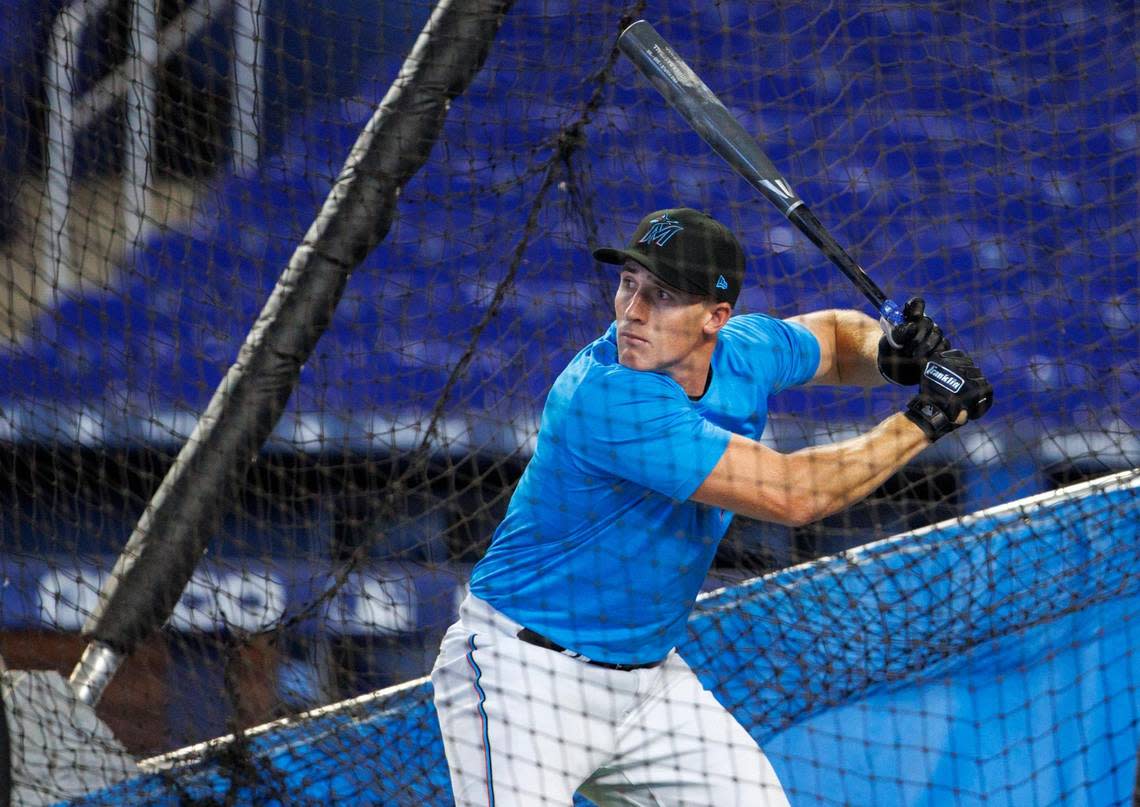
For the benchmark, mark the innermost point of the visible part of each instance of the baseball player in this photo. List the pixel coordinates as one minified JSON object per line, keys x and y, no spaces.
{"x":561,"y":674}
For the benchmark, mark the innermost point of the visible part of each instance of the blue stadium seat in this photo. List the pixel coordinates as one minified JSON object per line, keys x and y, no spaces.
{"x":979,"y":183}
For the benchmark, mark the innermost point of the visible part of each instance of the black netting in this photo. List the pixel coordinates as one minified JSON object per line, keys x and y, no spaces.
{"x":162,"y":164}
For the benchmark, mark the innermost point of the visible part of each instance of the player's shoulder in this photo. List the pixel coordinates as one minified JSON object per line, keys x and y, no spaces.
{"x":747,"y":330}
{"x":760,"y":347}
{"x":613,"y":383}
{"x":595,"y":381}
{"x":754,"y":325}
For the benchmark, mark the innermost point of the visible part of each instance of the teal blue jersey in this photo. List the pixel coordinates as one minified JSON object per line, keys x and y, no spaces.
{"x":601,"y":550}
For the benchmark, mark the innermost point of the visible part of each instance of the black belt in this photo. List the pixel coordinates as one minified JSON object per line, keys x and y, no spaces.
{"x":538,"y":640}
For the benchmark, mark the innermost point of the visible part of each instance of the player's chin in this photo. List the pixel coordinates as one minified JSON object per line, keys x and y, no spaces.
{"x":635,"y":360}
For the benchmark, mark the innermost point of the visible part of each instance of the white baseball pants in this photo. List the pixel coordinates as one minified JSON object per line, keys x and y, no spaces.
{"x":524,"y":726}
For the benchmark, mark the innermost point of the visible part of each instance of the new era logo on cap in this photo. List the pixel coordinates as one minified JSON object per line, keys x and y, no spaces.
{"x":721,"y":283}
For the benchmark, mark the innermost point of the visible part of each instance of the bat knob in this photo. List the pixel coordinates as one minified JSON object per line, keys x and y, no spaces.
{"x":890,"y":315}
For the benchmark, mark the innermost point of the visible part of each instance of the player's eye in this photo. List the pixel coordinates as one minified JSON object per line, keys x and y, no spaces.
{"x":663,"y":295}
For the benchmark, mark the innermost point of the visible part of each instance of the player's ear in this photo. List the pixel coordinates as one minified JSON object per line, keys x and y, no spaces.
{"x":718,"y":315}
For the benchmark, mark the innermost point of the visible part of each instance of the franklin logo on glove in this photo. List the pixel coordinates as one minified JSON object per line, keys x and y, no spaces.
{"x":943,"y":377}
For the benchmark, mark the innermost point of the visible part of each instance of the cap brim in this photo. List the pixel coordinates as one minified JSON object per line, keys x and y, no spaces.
{"x":611,"y":255}
{"x":620,"y":256}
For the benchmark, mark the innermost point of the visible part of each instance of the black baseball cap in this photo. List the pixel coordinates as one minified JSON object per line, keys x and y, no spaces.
{"x":687,"y":249}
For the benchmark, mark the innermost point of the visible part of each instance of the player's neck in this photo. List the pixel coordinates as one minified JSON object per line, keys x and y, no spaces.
{"x":693,"y":372}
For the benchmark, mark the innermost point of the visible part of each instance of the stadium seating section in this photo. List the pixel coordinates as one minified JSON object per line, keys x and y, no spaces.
{"x":1012,"y":212}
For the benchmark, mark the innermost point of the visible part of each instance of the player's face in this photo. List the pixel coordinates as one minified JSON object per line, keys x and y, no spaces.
{"x":659,"y":328}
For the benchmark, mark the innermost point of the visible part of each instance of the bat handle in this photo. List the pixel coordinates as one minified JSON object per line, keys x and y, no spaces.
{"x":890,"y":312}
{"x":890,"y":315}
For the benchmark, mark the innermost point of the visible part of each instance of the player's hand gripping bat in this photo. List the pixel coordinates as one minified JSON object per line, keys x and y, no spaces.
{"x":686,"y":93}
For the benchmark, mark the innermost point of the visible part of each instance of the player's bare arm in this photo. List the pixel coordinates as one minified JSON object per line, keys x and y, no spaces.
{"x":854,"y":351}
{"x":848,"y":347}
{"x":804,"y":486}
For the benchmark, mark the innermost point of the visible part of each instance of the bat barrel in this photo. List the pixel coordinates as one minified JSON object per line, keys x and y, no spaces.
{"x":700,"y":107}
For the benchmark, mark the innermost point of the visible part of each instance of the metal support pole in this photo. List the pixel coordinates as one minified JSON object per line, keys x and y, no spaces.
{"x":141,"y":105}
{"x":94,"y":671}
{"x":57,"y":269}
{"x":245,"y":118}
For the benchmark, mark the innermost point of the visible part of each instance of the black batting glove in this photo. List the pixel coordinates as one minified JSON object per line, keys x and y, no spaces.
{"x":911,"y":344}
{"x":950,"y":384}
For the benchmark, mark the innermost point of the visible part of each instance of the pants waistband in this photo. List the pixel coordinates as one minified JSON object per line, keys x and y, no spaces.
{"x":477,"y":612}
{"x":538,"y":640}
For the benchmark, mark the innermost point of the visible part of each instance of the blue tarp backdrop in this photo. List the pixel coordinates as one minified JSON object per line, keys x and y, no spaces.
{"x":983,"y":661}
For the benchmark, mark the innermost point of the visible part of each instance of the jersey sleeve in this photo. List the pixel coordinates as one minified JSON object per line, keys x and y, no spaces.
{"x":785,"y":352}
{"x":641,"y":427}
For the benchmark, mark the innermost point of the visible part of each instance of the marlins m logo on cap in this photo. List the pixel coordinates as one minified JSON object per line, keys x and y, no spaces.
{"x":661,"y":230}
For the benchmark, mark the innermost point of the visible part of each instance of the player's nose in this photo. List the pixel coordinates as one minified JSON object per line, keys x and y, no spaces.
{"x":636,"y":308}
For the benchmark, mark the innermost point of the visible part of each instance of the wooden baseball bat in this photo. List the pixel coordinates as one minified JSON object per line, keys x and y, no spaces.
{"x":698,"y":105}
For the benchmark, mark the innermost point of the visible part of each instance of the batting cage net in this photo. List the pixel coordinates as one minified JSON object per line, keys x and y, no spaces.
{"x":285,"y":287}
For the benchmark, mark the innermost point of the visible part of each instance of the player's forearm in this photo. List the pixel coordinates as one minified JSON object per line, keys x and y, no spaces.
{"x":832,"y":477}
{"x":856,"y":349}
{"x":804,"y":486}
{"x":848,"y":347}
